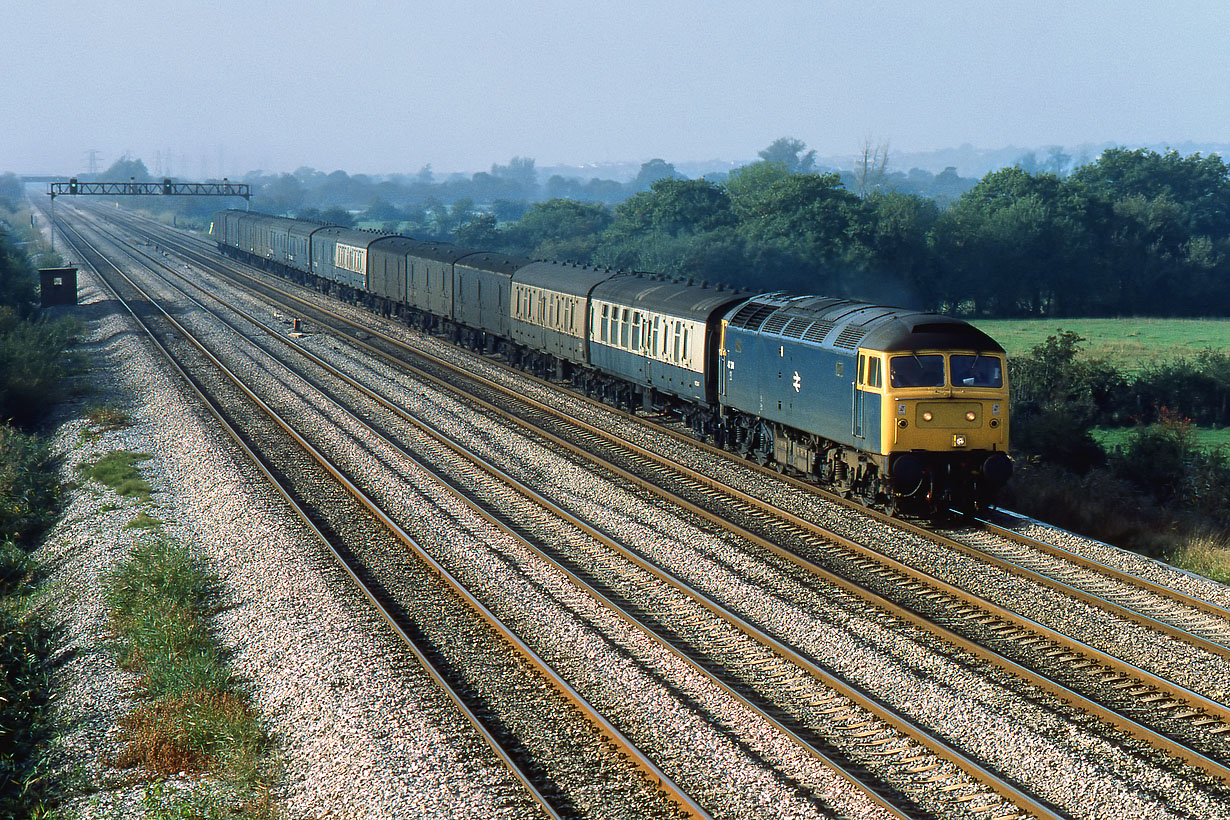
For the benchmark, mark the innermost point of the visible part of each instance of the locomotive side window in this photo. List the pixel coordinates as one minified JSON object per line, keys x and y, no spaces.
{"x":874,"y":378}
{"x":976,"y":371}
{"x":916,"y":371}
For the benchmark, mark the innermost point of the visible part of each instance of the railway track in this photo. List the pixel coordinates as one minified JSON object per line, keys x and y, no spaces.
{"x":849,"y":713}
{"x":341,"y":516}
{"x":665,"y":629}
{"x":1054,"y":663}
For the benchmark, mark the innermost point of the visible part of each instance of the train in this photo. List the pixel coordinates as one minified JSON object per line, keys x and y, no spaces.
{"x":903,"y":410}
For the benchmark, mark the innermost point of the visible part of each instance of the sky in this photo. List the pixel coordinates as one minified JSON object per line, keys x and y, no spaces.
{"x":224,"y":87}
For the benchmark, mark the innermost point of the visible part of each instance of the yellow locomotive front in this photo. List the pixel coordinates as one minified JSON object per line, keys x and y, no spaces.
{"x":945,"y":425}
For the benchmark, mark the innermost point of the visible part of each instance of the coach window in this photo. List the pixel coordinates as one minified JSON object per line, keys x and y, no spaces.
{"x":653,"y":335}
{"x":604,"y":332}
{"x":678,"y":339}
{"x":636,"y":330}
{"x":623,"y":327}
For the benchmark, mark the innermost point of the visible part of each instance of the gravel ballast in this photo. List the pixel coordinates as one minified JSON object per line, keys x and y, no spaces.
{"x":359,"y":730}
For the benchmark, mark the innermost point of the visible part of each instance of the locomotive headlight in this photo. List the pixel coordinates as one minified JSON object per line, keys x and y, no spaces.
{"x":927,"y":416}
{"x":958,"y":440}
{"x":971,"y":415}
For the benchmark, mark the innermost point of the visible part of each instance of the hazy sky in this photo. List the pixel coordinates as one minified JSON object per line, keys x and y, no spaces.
{"x":378,"y":87}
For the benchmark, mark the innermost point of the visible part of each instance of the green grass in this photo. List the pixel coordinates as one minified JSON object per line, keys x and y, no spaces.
{"x":190,"y":714}
{"x":1204,"y":555}
{"x":1205,"y":438}
{"x":144,"y":521}
{"x":1128,"y":344}
{"x":118,"y":470}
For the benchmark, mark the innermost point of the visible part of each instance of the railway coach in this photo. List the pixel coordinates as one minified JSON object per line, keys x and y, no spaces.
{"x":653,"y":342}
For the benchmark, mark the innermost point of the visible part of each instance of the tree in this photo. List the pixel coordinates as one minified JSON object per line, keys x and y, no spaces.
{"x":559,"y":229}
{"x":789,"y":152}
{"x":11,"y":190}
{"x":870,"y":168}
{"x":124,"y":169}
{"x":479,"y":233}
{"x":675,"y":206}
{"x":902,"y":255}
{"x":653,"y":171}
{"x":521,"y":173}
{"x":810,"y":213}
{"x":745,"y":184}
{"x":381,"y":210}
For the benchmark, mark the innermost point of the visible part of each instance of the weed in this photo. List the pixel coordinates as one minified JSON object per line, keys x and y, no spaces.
{"x":191,"y":717}
{"x":1205,"y":554}
{"x":144,"y":522}
{"x":103,"y":418}
{"x":25,"y":687}
{"x":118,"y":470}
{"x":29,"y":490}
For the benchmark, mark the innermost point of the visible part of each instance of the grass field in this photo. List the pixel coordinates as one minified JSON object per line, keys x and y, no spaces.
{"x":1206,"y":438}
{"x":1126,"y":343}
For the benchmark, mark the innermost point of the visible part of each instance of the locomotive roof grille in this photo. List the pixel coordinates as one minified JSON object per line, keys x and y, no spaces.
{"x":819,"y":329}
{"x":849,"y":337}
{"x":795,"y":327}
{"x":752,"y":315}
{"x":775,"y":324}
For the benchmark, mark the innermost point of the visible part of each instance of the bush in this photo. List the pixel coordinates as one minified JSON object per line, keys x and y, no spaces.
{"x":25,"y":688}
{"x":1096,"y":503}
{"x":29,"y":488}
{"x":34,"y":360}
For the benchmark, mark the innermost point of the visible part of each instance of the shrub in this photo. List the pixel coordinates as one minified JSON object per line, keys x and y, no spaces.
{"x":25,"y":688}
{"x":33,"y":363}
{"x":29,"y":489}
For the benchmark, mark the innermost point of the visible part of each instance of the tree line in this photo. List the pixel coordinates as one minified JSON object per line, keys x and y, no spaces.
{"x":1132,"y":232}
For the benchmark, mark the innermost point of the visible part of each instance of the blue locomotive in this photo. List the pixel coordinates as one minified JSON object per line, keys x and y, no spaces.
{"x":902,"y":409}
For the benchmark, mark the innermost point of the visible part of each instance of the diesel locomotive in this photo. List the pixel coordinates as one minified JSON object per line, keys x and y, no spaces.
{"x":905,"y":410}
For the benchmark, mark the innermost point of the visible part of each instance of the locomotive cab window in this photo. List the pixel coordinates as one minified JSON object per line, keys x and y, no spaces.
{"x":874,"y":377}
{"x":976,"y":371}
{"x":914,"y":370}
